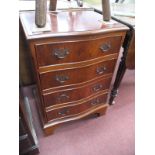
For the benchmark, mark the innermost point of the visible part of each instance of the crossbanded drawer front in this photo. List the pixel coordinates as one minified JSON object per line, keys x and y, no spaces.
{"x":76,"y":109}
{"x":78,"y":75}
{"x":67,"y":52}
{"x":76,"y":93}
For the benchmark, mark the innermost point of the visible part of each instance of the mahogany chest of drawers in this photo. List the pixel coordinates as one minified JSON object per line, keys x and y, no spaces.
{"x":74,"y":63}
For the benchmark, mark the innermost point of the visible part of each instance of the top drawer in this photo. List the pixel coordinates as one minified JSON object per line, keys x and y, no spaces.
{"x":76,"y":51}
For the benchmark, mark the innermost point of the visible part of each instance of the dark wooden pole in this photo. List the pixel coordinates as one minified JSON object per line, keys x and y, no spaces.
{"x":53,"y":5}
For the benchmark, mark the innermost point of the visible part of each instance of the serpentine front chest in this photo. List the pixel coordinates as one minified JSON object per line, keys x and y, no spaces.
{"x":74,"y":61}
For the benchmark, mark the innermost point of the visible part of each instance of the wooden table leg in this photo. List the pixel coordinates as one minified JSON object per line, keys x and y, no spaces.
{"x":119,"y":76}
{"x":121,"y":68}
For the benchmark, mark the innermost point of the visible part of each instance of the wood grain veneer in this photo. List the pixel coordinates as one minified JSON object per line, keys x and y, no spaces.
{"x":75,"y":93}
{"x":77,"y":50}
{"x":73,"y":62}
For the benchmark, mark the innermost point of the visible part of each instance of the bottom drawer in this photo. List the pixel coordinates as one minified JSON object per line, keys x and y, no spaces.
{"x":76,"y":109}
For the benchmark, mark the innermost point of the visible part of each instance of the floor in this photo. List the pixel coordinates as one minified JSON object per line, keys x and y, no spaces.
{"x":111,"y":134}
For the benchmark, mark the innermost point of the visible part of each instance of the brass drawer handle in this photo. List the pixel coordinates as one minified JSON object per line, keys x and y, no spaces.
{"x":62,"y":78}
{"x":95,"y":101}
{"x":101,"y":70}
{"x":63,"y":112}
{"x":60,"y":53}
{"x":105,"y":47}
{"x":63,"y":97}
{"x":97,"y":87}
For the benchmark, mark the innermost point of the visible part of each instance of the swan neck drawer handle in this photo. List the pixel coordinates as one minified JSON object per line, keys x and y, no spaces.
{"x":62,"y":78}
{"x":101,"y":70}
{"x":97,"y":87}
{"x":63,"y":112}
{"x":105,"y":47}
{"x":63,"y":97}
{"x":95,"y":101}
{"x":60,"y":53}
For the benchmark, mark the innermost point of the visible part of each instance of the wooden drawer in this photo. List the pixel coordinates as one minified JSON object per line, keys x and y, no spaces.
{"x":78,"y":75}
{"x":76,"y":109}
{"x":76,"y":51}
{"x":76,"y":93}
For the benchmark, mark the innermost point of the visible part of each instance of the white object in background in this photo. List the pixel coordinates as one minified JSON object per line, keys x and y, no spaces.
{"x":123,"y":9}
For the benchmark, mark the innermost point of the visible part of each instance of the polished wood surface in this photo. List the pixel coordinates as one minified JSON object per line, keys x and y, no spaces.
{"x":76,"y":93}
{"x":50,"y":126}
{"x":71,"y":76}
{"x":74,"y":63}
{"x":81,"y":64}
{"x":70,"y":110}
{"x":56,"y":89}
{"x":69,"y":51}
{"x":69,"y":23}
{"x":98,"y":111}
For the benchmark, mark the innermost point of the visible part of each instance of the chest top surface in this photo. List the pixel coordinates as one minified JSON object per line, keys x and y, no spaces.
{"x":67,"y":23}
